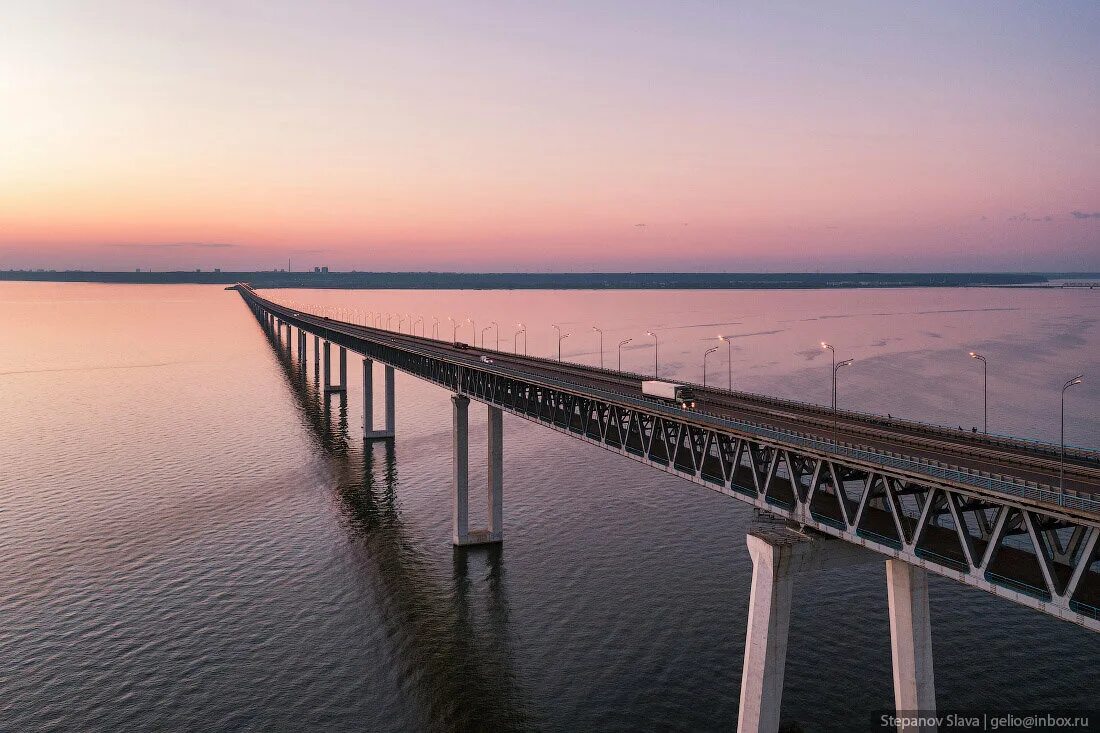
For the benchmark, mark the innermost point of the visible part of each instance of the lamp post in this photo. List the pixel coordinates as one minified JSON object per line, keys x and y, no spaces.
{"x":729,"y":360}
{"x":833,"y":351}
{"x":836,"y":369}
{"x":497,"y":327}
{"x":650,"y":333}
{"x":454,"y":328}
{"x":515,"y":339}
{"x":400,"y":322}
{"x":985,"y":390}
{"x":622,"y":343}
{"x":420,"y":320}
{"x":561,"y":336}
{"x":483,"y":334}
{"x":1062,"y":452}
{"x":600,"y":331}
{"x":435,"y":327}
{"x":389,"y":318}
{"x":473,"y":329}
{"x":707,"y":353}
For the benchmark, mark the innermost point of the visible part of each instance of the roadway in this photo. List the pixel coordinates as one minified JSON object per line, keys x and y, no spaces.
{"x":962,"y":449}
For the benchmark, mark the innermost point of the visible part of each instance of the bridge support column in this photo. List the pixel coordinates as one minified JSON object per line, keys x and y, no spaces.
{"x":391,"y":402}
{"x":911,"y":642}
{"x":326,"y":367}
{"x":369,"y":433}
{"x":343,"y":385}
{"x":460,"y":469}
{"x":778,"y":553}
{"x":462,"y":535}
{"x":495,"y":506}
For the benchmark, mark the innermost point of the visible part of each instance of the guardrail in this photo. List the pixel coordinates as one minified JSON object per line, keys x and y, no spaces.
{"x":884,"y":459}
{"x":1030,"y":490}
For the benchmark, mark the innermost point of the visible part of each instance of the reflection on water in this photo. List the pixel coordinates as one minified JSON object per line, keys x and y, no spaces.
{"x":460,"y":670}
{"x":194,"y":537}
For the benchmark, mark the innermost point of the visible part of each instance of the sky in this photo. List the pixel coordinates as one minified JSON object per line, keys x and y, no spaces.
{"x":564,"y":136}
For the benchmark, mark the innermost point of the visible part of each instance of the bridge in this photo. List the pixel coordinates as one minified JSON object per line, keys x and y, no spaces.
{"x":1015,"y":518}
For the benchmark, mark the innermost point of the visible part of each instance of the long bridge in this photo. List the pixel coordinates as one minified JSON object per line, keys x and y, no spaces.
{"x":1008,"y":516}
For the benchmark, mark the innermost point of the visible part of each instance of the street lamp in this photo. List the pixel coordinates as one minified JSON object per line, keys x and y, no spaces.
{"x":497,"y":327}
{"x":389,"y":318}
{"x":1062,"y":453}
{"x":836,"y":369}
{"x":561,"y":336}
{"x":435,"y":327}
{"x":833,"y":351}
{"x":707,"y":353}
{"x":454,"y":328}
{"x":400,"y":322}
{"x":650,"y":333}
{"x":483,"y":334}
{"x":985,"y":390}
{"x":420,"y":320}
{"x":515,"y":339}
{"x":600,"y":331}
{"x":622,"y":343}
{"x":729,"y":360}
{"x":473,"y":329}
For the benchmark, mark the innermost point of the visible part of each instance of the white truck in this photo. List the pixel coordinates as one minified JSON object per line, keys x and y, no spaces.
{"x":677,"y":394}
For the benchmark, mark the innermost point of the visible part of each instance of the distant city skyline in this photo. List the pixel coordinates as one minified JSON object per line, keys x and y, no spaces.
{"x":565,"y":137}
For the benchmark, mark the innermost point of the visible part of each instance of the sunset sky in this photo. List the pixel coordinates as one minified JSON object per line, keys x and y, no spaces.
{"x":476,"y":135}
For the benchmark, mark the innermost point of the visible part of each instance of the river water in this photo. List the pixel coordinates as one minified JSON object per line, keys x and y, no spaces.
{"x":191,"y":540}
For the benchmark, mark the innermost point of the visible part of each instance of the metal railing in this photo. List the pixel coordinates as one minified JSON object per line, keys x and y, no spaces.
{"x":884,"y":459}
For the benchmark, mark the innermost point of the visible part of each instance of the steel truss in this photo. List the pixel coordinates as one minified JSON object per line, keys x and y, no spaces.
{"x":1042,"y":557}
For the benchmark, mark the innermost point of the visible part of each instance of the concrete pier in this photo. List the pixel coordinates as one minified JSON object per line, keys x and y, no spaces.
{"x":911,"y":642}
{"x":462,"y":535}
{"x":778,"y":554}
{"x":326,"y":366}
{"x":460,"y":469}
{"x":391,"y":401}
{"x":369,"y":433}
{"x":343,"y":386}
{"x":495,"y":506}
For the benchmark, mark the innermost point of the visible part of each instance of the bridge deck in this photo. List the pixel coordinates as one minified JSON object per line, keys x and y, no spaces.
{"x":1014,"y":460}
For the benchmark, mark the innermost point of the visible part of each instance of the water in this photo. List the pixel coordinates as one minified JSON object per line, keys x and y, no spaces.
{"x":192,"y":541}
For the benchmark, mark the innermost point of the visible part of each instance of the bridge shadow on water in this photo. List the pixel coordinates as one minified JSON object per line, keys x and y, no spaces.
{"x":454,"y":652}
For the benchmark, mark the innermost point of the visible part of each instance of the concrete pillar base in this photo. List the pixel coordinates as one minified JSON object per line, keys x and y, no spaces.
{"x":462,"y":535}
{"x":479,"y":537}
{"x":778,"y":553}
{"x":369,"y":433}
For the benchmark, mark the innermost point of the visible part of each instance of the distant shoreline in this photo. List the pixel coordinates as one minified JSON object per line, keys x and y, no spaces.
{"x":557,"y":281}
